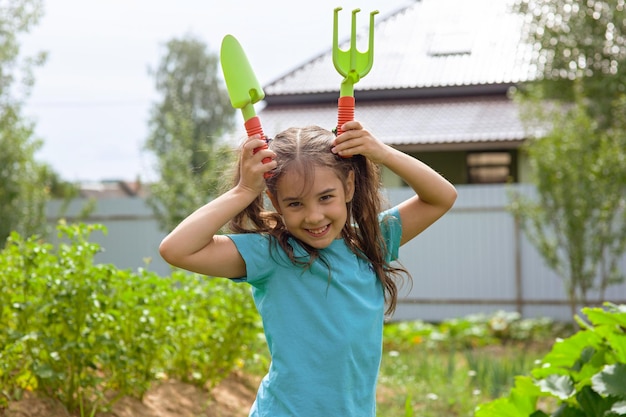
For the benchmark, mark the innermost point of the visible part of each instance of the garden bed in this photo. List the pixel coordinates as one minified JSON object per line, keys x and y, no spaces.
{"x":231,"y":398}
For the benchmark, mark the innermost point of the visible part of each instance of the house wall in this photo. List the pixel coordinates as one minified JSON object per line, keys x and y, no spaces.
{"x":474,"y":260}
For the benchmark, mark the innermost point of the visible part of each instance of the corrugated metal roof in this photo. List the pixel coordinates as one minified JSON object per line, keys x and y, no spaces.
{"x":415,"y":124}
{"x":432,"y":43}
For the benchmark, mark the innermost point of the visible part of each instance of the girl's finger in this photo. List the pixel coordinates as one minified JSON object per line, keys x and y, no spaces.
{"x":351,"y":125}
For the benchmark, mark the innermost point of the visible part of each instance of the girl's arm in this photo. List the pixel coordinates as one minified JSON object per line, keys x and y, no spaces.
{"x":194,"y":244}
{"x":434,"y":194}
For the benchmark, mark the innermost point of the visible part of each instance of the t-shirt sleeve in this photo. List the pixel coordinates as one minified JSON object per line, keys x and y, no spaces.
{"x":391,"y":229}
{"x":255,"y":251}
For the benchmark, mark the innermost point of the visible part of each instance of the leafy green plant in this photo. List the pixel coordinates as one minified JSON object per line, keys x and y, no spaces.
{"x":87,"y":334}
{"x":448,"y":368}
{"x":583,"y":375}
{"x":471,"y":331}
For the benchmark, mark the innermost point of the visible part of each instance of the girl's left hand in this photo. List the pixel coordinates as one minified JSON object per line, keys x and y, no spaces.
{"x":355,"y":140}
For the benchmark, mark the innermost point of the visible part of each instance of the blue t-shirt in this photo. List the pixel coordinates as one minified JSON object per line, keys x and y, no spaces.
{"x":323,"y":326}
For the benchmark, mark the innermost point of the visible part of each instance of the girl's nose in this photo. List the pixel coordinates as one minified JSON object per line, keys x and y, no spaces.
{"x":314,"y":215}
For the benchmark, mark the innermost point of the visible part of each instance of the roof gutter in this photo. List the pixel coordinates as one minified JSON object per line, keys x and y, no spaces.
{"x":392,"y":94}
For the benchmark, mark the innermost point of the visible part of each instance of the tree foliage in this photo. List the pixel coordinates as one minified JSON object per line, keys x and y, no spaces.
{"x":582,"y":41}
{"x":185,"y":128}
{"x":25,"y":184}
{"x":578,"y":219}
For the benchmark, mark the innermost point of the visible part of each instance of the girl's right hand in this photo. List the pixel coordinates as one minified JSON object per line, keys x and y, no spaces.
{"x":252,"y":167}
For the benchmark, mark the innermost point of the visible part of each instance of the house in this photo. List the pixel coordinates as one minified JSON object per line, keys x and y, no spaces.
{"x":438,"y":88}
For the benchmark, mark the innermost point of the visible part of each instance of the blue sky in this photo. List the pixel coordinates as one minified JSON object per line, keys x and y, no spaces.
{"x":92,"y":98}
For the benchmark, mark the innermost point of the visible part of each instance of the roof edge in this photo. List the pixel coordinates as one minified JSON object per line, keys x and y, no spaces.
{"x":392,"y":94}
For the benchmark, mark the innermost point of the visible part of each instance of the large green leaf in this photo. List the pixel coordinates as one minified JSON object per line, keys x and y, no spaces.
{"x":592,"y":403}
{"x":619,"y":408}
{"x":617,"y":342}
{"x":566,"y":352}
{"x":520,"y":403}
{"x":561,"y":386}
{"x":499,"y":407}
{"x":568,"y":411}
{"x":524,"y":394}
{"x":599,"y":316}
{"x":611,"y":381}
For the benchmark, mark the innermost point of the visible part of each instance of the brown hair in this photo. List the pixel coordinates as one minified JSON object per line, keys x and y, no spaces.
{"x":304,"y":149}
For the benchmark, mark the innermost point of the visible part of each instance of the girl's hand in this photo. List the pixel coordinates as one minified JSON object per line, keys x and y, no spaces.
{"x":357,"y":141}
{"x":252,"y":167}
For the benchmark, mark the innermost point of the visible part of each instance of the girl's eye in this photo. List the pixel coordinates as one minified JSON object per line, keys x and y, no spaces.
{"x":326,"y":197}
{"x":294,"y":204}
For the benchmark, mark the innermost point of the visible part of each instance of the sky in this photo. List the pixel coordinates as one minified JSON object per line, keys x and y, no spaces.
{"x":92,"y":98}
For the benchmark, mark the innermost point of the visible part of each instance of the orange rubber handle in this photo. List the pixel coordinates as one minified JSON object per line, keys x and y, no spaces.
{"x":253,"y":127}
{"x":345,"y":107}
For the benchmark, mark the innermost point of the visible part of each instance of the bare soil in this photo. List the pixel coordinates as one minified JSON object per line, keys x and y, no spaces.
{"x":231,"y":398}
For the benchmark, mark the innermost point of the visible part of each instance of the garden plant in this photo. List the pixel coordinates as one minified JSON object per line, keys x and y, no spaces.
{"x":87,"y":334}
{"x":582,"y":376}
{"x":449,"y":368}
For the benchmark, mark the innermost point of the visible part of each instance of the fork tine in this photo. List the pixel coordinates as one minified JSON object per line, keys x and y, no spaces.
{"x":352,"y":63}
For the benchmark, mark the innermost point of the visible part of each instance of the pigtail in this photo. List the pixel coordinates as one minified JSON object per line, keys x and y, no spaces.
{"x":365,"y":209}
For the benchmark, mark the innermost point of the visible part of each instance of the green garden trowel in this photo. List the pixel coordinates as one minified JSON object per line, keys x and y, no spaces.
{"x":243,"y":87}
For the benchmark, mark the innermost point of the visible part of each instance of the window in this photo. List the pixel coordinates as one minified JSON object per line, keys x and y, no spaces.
{"x":489,"y":167}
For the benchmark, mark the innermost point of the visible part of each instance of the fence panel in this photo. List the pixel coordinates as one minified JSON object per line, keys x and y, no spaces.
{"x":477,"y":260}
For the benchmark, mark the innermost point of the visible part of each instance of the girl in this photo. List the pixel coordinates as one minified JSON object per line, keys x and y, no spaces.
{"x":320,"y":264}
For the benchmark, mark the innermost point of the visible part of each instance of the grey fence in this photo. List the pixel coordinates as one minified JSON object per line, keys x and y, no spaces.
{"x":474,"y":260}
{"x":477,"y":260}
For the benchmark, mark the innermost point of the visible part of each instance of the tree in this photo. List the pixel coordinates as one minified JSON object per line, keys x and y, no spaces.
{"x":185,"y":128}
{"x":578,"y":220}
{"x":583,"y":42}
{"x":25,"y":184}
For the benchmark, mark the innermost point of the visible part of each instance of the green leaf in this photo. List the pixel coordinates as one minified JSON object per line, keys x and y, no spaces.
{"x":560,"y":386}
{"x":599,"y":316}
{"x":588,"y":366}
{"x":566,"y":352}
{"x":44,"y":371}
{"x":619,"y":408}
{"x":568,"y":411}
{"x":617,"y":342}
{"x":499,"y":407}
{"x":592,"y":403}
{"x":525,"y":393}
{"x":525,"y":387}
{"x":611,"y":380}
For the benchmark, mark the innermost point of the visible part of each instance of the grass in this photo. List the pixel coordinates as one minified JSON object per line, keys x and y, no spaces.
{"x":427,"y":382}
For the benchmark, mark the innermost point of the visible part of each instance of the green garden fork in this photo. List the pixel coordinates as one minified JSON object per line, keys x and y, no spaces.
{"x":352,"y":64}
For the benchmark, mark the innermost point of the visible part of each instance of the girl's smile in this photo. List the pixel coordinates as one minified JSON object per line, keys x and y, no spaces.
{"x":314,"y":212}
{"x":320,"y":232}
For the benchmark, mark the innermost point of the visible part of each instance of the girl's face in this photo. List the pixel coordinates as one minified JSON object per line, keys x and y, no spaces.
{"x":314,"y":213}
